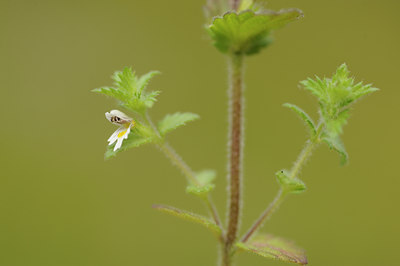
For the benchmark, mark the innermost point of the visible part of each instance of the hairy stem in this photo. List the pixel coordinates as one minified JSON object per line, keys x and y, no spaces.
{"x":235,"y":147}
{"x":234,"y":4}
{"x":273,"y":206}
{"x":177,"y":160}
{"x":303,"y":157}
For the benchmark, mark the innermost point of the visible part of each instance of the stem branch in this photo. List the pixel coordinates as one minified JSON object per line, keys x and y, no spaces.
{"x":267,"y":213}
{"x":177,"y":160}
{"x":302,"y":158}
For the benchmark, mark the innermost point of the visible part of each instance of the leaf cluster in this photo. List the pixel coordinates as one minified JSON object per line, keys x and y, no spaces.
{"x":335,"y":96}
{"x":130,"y":90}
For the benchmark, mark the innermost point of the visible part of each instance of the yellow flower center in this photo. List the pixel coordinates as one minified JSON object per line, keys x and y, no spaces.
{"x":121,"y":134}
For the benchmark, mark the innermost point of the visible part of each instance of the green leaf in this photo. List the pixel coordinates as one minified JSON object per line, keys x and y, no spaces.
{"x":130,"y":90}
{"x":125,"y":80}
{"x":205,"y":183}
{"x":173,"y":121}
{"x":288,"y":184}
{"x":246,"y":4}
{"x":248,"y":32}
{"x":210,"y":225}
{"x":112,"y":92}
{"x":150,"y":98}
{"x":337,"y":145}
{"x":303,"y":116}
{"x":138,"y":137}
{"x":145,"y":79}
{"x":334,"y":126}
{"x":276,"y":248}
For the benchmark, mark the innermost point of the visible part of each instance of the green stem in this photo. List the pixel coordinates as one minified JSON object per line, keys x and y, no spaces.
{"x":177,"y":160}
{"x":303,"y":157}
{"x":235,"y":147}
{"x":267,"y":213}
{"x":273,"y":206}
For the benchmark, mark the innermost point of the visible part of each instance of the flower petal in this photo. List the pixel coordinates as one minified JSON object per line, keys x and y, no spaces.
{"x":119,"y":144}
{"x":127,"y":132}
{"x":117,"y":117}
{"x":114,"y":136}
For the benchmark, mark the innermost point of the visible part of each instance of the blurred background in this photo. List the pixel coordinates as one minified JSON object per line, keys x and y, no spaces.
{"x":61,"y":204}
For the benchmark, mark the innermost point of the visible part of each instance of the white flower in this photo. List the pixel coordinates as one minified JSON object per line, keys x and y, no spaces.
{"x":125,"y":122}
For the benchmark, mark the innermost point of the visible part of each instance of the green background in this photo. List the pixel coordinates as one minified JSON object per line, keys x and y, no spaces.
{"x":61,"y":204}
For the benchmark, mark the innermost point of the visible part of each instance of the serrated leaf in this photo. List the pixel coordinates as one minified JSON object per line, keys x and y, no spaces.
{"x":288,"y":184}
{"x":205,"y":183}
{"x":145,"y":79}
{"x":190,"y":217}
{"x":136,"y":138}
{"x":248,"y":32}
{"x":364,"y":90}
{"x":173,"y":121}
{"x":125,"y":80}
{"x":150,"y":98}
{"x":112,"y":92}
{"x":303,"y":116}
{"x":276,"y":248}
{"x":337,"y":145}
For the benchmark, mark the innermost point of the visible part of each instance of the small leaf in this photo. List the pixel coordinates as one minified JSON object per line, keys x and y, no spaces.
{"x":248,"y":32}
{"x":290,"y":185}
{"x":205,"y":183}
{"x":303,"y":116}
{"x":150,"y":98}
{"x":125,"y":80}
{"x":206,"y":177}
{"x":314,"y":86}
{"x":276,"y":248}
{"x":190,"y":217}
{"x":364,"y":90}
{"x":246,"y":4}
{"x":337,"y":145}
{"x":173,"y":121}
{"x":112,"y":92}
{"x":145,"y":79}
